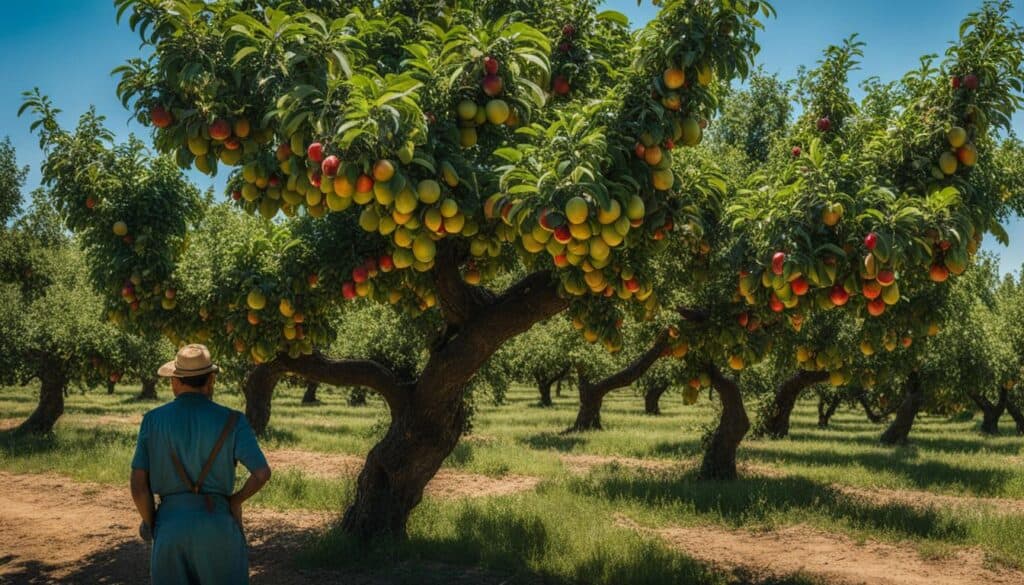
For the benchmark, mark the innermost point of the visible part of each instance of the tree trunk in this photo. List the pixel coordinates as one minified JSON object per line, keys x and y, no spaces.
{"x":110,"y":388}
{"x":875,"y":417}
{"x":148,"y":389}
{"x":720,"y":453}
{"x":774,"y":423}
{"x":991,"y":412}
{"x":588,"y":417}
{"x":309,"y":398}
{"x":899,"y":431}
{"x":558,"y":387}
{"x":826,"y":408}
{"x":51,"y":403}
{"x":259,"y":389}
{"x":544,"y":386}
{"x":356,"y":396}
{"x":1018,"y":417}
{"x":652,"y":397}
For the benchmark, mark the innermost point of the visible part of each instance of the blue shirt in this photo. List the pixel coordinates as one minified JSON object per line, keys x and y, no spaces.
{"x":191,"y":425}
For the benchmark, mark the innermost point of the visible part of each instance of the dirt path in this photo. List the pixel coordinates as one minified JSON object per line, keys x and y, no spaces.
{"x":801,"y":550}
{"x":448,"y":483}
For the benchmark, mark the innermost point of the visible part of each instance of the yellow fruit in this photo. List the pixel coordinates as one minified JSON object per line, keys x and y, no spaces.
{"x":957,"y":137}
{"x":653,"y":155}
{"x":369,"y":219}
{"x":230,"y":157}
{"x":382,"y":193}
{"x":403,"y":258}
{"x":599,"y":250}
{"x":455,"y":223}
{"x":286,"y":308}
{"x":383,"y":171}
{"x":317,"y":211}
{"x":335,"y":203}
{"x":120,"y":229}
{"x":736,"y":362}
{"x":256,"y":299}
{"x":674,"y":78}
{"x":611,"y":236}
{"x":497,"y":111}
{"x":198,"y":146}
{"x":704,"y":75}
{"x":580,"y":231}
{"x":467,"y":137}
{"x":423,"y":248}
{"x":891,"y":294}
{"x":611,"y":214}
{"x":467,"y":110}
{"x":635,"y":208}
{"x":948,"y":162}
{"x":313,"y":198}
{"x":406,"y":153}
{"x":577,"y":210}
{"x":429,"y":191}
{"x":692,"y":133}
{"x":866,"y":348}
{"x":406,"y":201}
{"x":242,"y":128}
{"x":663,"y":180}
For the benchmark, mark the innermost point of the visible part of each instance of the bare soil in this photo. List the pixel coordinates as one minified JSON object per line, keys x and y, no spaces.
{"x":834,"y":558}
{"x":448,"y":483}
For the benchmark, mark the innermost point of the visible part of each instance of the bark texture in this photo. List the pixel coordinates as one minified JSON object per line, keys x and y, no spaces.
{"x":898,"y":432}
{"x":774,"y":423}
{"x":652,"y":398}
{"x":309,"y":397}
{"x":148,"y":391}
{"x":258,"y":388}
{"x":720,"y":452}
{"x":544,"y":383}
{"x":1014,"y":409}
{"x":826,"y":408}
{"x":588,"y":417}
{"x":873,"y":416}
{"x":53,"y":383}
{"x":991,"y":412}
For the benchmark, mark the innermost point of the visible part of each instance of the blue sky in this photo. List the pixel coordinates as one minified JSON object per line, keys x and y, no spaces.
{"x":68,"y":47}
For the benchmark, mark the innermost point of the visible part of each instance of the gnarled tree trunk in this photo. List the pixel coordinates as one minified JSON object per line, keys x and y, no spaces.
{"x":913,"y":399}
{"x":1014,"y":409}
{"x":875,"y":417}
{"x":720,"y":453}
{"x":774,"y":423}
{"x":309,"y":397}
{"x":258,"y":388}
{"x":826,"y":408}
{"x":558,"y":387}
{"x":544,"y":384}
{"x":110,"y":388}
{"x":53,"y":383}
{"x":652,"y":397}
{"x":990,"y":412}
{"x":592,"y":394}
{"x":148,"y":391}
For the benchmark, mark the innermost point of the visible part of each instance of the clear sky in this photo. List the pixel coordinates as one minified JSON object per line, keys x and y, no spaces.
{"x":67,"y":48}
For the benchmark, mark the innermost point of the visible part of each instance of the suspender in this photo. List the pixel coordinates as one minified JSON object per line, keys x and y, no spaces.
{"x":198,"y":484}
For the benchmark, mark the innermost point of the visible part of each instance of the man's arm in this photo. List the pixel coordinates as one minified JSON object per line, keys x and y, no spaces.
{"x":247,"y":450}
{"x":142,"y":496}
{"x":257,"y":479}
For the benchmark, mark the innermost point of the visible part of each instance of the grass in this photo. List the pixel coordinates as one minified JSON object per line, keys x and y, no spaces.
{"x":565,"y":531}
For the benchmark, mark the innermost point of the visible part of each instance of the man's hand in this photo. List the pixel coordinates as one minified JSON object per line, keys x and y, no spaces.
{"x":236,"y":509}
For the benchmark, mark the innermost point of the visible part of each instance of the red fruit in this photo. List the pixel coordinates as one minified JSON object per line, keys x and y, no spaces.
{"x":938,"y":273}
{"x":316,"y":179}
{"x":886,"y":277}
{"x":284,"y":151}
{"x":568,"y":30}
{"x":640,"y":150}
{"x":669,"y":144}
{"x":232,"y":143}
{"x":134,"y":306}
{"x":313,"y":280}
{"x":775,"y":304}
{"x":777,"y":261}
{"x":545,"y":220}
{"x":695,"y":383}
{"x":743,"y":319}
{"x":839,"y":295}
{"x":348,"y":290}
{"x":871,"y":289}
{"x":360,"y":274}
{"x":91,"y":203}
{"x":870,"y":241}
{"x":945,"y":245}
{"x":386,"y":263}
{"x":876,"y":307}
{"x":493,"y":85}
{"x":799,"y":286}
{"x":561,"y":260}
{"x":954,"y":81}
{"x":115,"y":377}
{"x":160,"y":117}
{"x":824,"y":124}
{"x":971,"y":81}
{"x":170,"y":293}
{"x":371,"y":266}
{"x":563,"y":235}
{"x":490,"y":65}
{"x":561,"y":86}
{"x":220,"y":130}
{"x":315,"y":152}
{"x":330,"y":166}
{"x":633,"y":285}
{"x":565,"y":47}
{"x":128,"y":291}
{"x":274,"y":181}
{"x":796,"y":151}
{"x":907,"y":341}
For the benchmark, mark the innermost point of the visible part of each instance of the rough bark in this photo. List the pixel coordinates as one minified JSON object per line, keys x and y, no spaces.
{"x":544,"y":384}
{"x":720,"y":453}
{"x":148,"y":391}
{"x":774,"y":423}
{"x":258,"y":388}
{"x":309,"y":397}
{"x":826,"y":408}
{"x":592,"y":394}
{"x":652,"y":397}
{"x":1014,"y":409}
{"x":991,"y":412}
{"x":898,"y":432}
{"x":53,"y":383}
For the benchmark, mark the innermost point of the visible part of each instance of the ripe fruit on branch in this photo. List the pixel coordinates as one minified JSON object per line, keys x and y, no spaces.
{"x":778,"y":259}
{"x":938,"y":273}
{"x":871,"y":289}
{"x":796,"y":151}
{"x":383,"y":171}
{"x":493,"y":85}
{"x":970,"y":81}
{"x":348,"y":290}
{"x":704,"y":74}
{"x":568,"y":31}
{"x":490,"y":65}
{"x":160,"y":117}
{"x":957,"y":136}
{"x":968,"y":155}
{"x":256,"y":299}
{"x":560,"y":86}
{"x":120,"y":228}
{"x":220,"y":130}
{"x":775,"y":304}
{"x":824,"y":124}
{"x":954,"y":82}
{"x":315,"y":152}
{"x":832,"y":214}
{"x":466,"y":110}
{"x":577,"y":210}
{"x":838,"y":295}
{"x":948,"y":163}
{"x":876,"y":307}
{"x":799,"y":286}
{"x":498,"y":111}
{"x":674,"y":78}
{"x":330,"y":166}
{"x":871,"y":241}
{"x":886,"y":278}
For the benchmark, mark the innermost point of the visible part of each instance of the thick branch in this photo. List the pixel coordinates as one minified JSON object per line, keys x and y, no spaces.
{"x":458,"y":300}
{"x":631,"y":372}
{"x":694,"y":315}
{"x":322,"y":369}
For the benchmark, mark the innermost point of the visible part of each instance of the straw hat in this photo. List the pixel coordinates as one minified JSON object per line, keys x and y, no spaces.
{"x":192,"y":360}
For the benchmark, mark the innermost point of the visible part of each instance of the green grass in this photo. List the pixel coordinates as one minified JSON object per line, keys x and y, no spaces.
{"x":565,"y":531}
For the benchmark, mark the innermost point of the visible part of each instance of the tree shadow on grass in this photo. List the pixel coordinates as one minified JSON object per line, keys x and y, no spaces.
{"x":901,"y":461}
{"x":14,"y":445}
{"x":935,"y":444}
{"x":555,"y":441}
{"x":762,"y":499}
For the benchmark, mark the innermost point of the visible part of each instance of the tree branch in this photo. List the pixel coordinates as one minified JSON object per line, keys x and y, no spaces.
{"x":319,"y":368}
{"x":695,"y":315}
{"x":631,"y":372}
{"x":458,"y":300}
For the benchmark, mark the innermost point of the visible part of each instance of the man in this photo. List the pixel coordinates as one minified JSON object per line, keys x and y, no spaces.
{"x":186,"y":454}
